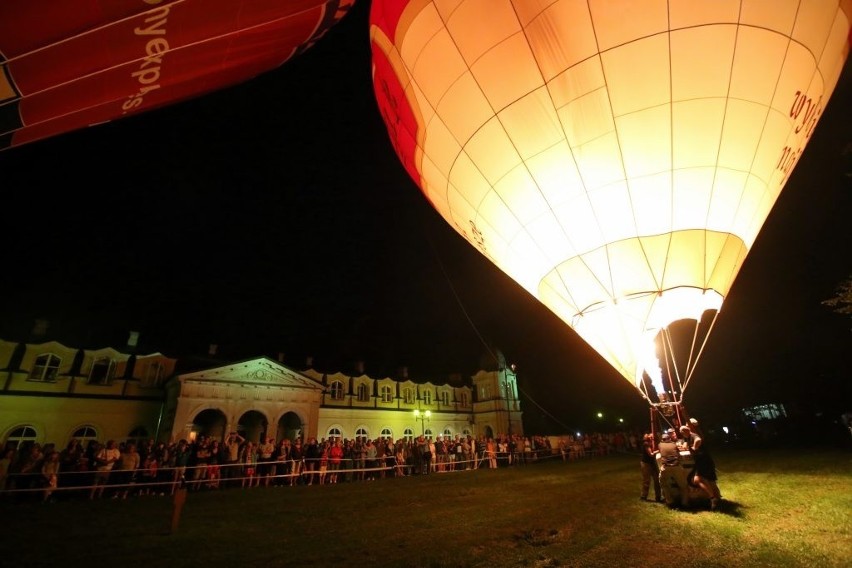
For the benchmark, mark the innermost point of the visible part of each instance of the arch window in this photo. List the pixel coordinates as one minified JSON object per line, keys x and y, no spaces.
{"x":466,"y":432}
{"x":427,"y":397}
{"x":428,"y":433}
{"x":387,"y":394}
{"x":85,"y":434}
{"x":102,"y":371}
{"x":386,"y":433}
{"x":333,"y":432}
{"x":138,"y":436}
{"x":408,"y":433}
{"x":336,"y":390}
{"x":408,"y":395}
{"x":362,"y":433}
{"x":20,"y":436}
{"x":448,"y":434}
{"x":362,"y":393}
{"x":46,"y":368}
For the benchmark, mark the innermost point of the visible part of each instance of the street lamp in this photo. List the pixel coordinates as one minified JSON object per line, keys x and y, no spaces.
{"x":423,"y":417}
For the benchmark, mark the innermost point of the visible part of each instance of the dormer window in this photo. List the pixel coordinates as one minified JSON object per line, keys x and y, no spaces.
{"x":336,"y":389}
{"x":46,"y":368}
{"x":102,"y":371}
{"x":362,"y":393}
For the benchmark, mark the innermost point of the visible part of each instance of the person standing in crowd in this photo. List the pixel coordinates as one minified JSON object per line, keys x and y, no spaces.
{"x":425,"y":455}
{"x":282,"y":462}
{"x":370,"y":460}
{"x":265,"y":465}
{"x":335,"y":457}
{"x":105,"y":459}
{"x":5,"y":464}
{"x":125,"y":474}
{"x":50,"y":473}
{"x":648,"y":465}
{"x":71,"y":461}
{"x":348,"y":460}
{"x":491,"y":453}
{"x":148,"y":473}
{"x":312,"y":456}
{"x":182,"y":454}
{"x":231,"y":457}
{"x":704,"y":475}
{"x":297,"y":458}
{"x":248,"y":461}
{"x":200,"y":459}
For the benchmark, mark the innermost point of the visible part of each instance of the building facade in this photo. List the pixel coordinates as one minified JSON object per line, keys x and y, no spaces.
{"x":52,"y":393}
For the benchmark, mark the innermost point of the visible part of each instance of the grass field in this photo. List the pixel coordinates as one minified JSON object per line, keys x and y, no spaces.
{"x":782,"y":508}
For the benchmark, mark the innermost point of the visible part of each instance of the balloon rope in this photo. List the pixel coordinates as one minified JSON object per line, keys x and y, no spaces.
{"x":476,"y":330}
{"x":703,"y":345}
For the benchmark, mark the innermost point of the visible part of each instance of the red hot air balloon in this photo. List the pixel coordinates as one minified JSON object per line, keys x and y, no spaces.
{"x":74,"y":63}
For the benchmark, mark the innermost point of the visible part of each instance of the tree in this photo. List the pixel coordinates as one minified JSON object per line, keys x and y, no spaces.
{"x":841,"y":303}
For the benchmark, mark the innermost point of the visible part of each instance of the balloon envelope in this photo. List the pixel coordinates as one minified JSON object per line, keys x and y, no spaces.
{"x":616,"y":158}
{"x":77,"y":63}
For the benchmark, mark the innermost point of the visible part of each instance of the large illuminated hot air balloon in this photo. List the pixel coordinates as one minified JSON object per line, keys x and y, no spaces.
{"x":68,"y":64}
{"x":616,"y":158}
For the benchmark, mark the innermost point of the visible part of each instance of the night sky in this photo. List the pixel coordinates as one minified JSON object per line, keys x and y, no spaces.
{"x":274,"y":217}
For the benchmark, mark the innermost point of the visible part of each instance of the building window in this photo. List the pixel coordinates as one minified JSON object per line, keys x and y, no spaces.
{"x":427,"y":397}
{"x":386,"y":433}
{"x":337,"y":390}
{"x":333,"y":433}
{"x":408,"y":433}
{"x":20,"y":437}
{"x":361,"y":433}
{"x":463,"y":399}
{"x":428,"y":433}
{"x":466,"y":432}
{"x":85,"y":434}
{"x":138,"y":436}
{"x":362,"y":393}
{"x":46,"y":368}
{"x":387,"y":394}
{"x":448,"y":434}
{"x":102,"y":371}
{"x":408,"y":395}
{"x":445,"y":398}
{"x":153,"y":374}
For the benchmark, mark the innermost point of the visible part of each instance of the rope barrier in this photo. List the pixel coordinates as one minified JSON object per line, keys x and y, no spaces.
{"x":306,"y":471}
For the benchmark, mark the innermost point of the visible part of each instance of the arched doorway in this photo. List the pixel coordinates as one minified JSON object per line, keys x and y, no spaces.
{"x":252,"y":426}
{"x":289,"y":427}
{"x":210,"y":423}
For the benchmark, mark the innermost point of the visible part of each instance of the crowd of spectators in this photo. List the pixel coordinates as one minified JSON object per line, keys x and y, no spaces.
{"x":118,"y":470}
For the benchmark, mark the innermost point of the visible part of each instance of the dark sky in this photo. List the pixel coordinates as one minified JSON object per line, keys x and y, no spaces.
{"x":274,"y":217}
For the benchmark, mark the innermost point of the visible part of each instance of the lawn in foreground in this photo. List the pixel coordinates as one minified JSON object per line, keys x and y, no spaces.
{"x":782,"y":508}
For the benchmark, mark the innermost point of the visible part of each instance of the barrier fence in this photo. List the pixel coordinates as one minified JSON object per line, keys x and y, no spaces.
{"x":165,"y":480}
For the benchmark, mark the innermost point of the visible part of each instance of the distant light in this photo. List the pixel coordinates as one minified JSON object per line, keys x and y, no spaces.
{"x":621,"y":420}
{"x":600,"y":414}
{"x":725,"y":429}
{"x":578,"y":434}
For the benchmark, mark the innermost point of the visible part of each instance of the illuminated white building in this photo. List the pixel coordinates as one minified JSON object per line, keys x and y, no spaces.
{"x":52,"y":393}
